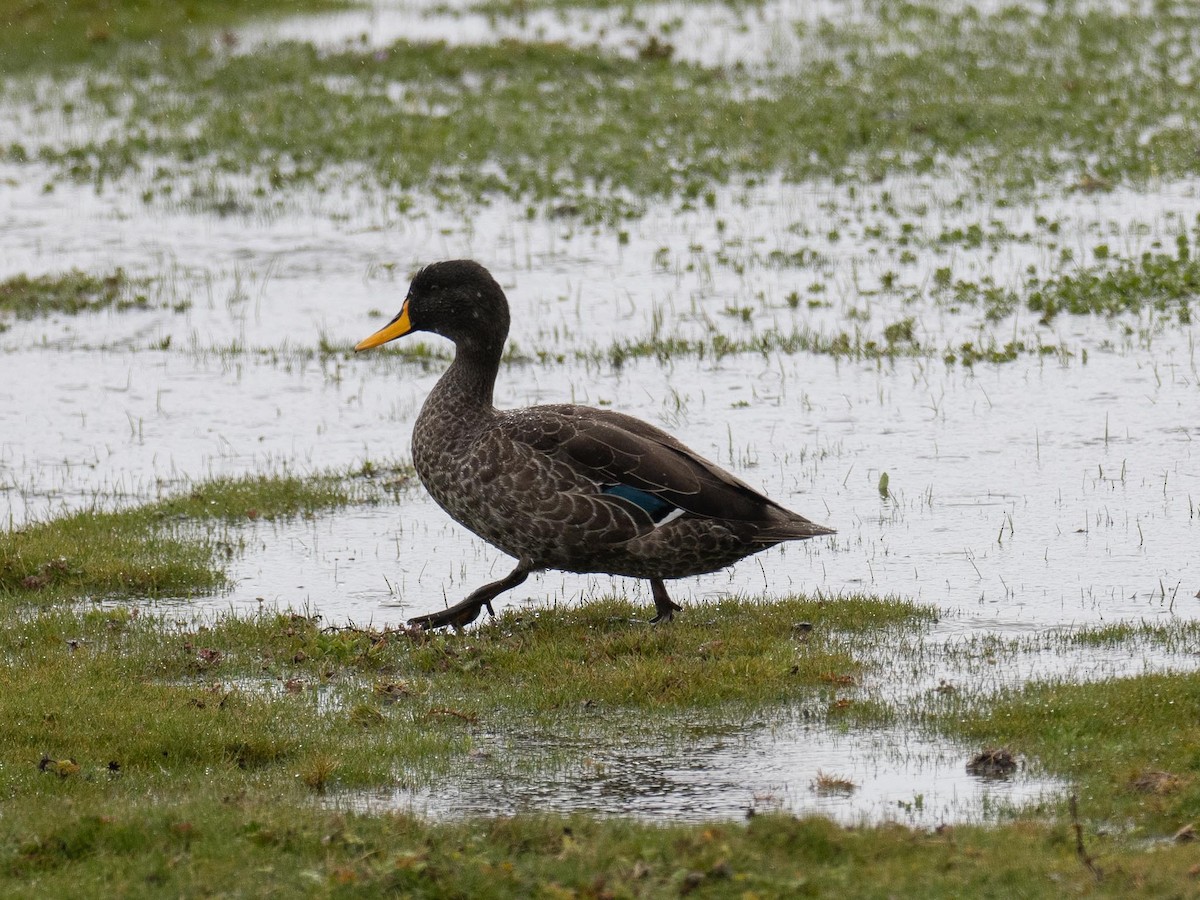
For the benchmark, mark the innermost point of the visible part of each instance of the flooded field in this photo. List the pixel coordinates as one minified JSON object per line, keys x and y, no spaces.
{"x":865,"y":351}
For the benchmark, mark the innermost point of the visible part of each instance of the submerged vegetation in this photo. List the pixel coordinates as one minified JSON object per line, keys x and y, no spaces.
{"x":1082,"y":101}
{"x":1076,"y":92}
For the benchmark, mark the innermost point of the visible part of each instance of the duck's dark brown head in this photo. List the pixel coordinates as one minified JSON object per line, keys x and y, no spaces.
{"x":457,"y":299}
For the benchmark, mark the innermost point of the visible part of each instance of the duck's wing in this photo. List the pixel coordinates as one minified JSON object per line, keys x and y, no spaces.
{"x":632,"y":461}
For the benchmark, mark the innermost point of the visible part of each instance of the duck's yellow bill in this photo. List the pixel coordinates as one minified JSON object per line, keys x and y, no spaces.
{"x":398,"y":327}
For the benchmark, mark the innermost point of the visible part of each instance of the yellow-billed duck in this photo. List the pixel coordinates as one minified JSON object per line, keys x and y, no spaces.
{"x":564,"y":486}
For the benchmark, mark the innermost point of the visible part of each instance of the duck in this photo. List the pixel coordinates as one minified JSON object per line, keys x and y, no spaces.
{"x":564,"y":486}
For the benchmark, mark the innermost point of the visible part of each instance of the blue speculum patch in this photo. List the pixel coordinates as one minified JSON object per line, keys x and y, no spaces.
{"x":655,"y":506}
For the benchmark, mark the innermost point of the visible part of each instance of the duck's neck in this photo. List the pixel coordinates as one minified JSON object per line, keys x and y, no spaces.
{"x":469,"y":382}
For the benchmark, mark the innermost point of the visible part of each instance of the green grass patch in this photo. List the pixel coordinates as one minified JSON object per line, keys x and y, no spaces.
{"x":756,"y":653}
{"x":1178,"y":637}
{"x":114,"y":700}
{"x":172,"y":548}
{"x":745,"y":652}
{"x":1130,"y":746}
{"x":71,"y":293}
{"x":36,"y":35}
{"x":257,"y":846}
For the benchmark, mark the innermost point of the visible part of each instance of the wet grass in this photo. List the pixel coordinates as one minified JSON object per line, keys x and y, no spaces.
{"x":41,"y":35}
{"x":124,"y":703}
{"x":127,"y":695}
{"x":70,"y":293}
{"x":1130,"y":747}
{"x":1154,"y":282}
{"x":256,"y":847}
{"x":151,"y":758}
{"x":1073,"y":92}
{"x":520,"y":8}
{"x":896,"y":342}
{"x":1126,"y":746}
{"x":1156,"y":287}
{"x":1178,"y":637}
{"x":172,"y":548}
{"x":1150,"y":292}
{"x":1161,"y":282}
{"x":754,"y":653}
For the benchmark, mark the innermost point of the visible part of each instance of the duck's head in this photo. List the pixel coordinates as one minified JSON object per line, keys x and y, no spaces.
{"x":458,"y":299}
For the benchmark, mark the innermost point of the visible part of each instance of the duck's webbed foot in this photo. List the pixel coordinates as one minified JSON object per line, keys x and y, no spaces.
{"x":463,"y":614}
{"x":664,"y":607}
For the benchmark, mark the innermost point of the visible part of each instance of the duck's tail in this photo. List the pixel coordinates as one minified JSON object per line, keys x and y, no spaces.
{"x":790,"y":526}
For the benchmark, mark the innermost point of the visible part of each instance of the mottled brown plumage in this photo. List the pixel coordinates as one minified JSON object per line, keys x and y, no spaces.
{"x":564,"y":486}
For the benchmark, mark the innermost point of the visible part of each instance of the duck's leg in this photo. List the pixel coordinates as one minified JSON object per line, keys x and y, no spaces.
{"x":467,"y":611}
{"x":664,"y":607}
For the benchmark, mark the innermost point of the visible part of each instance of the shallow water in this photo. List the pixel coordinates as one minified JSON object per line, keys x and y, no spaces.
{"x":707,"y":34}
{"x":1028,"y":494}
{"x":1040,"y":494}
{"x":895,"y":776}
{"x":773,"y":34}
